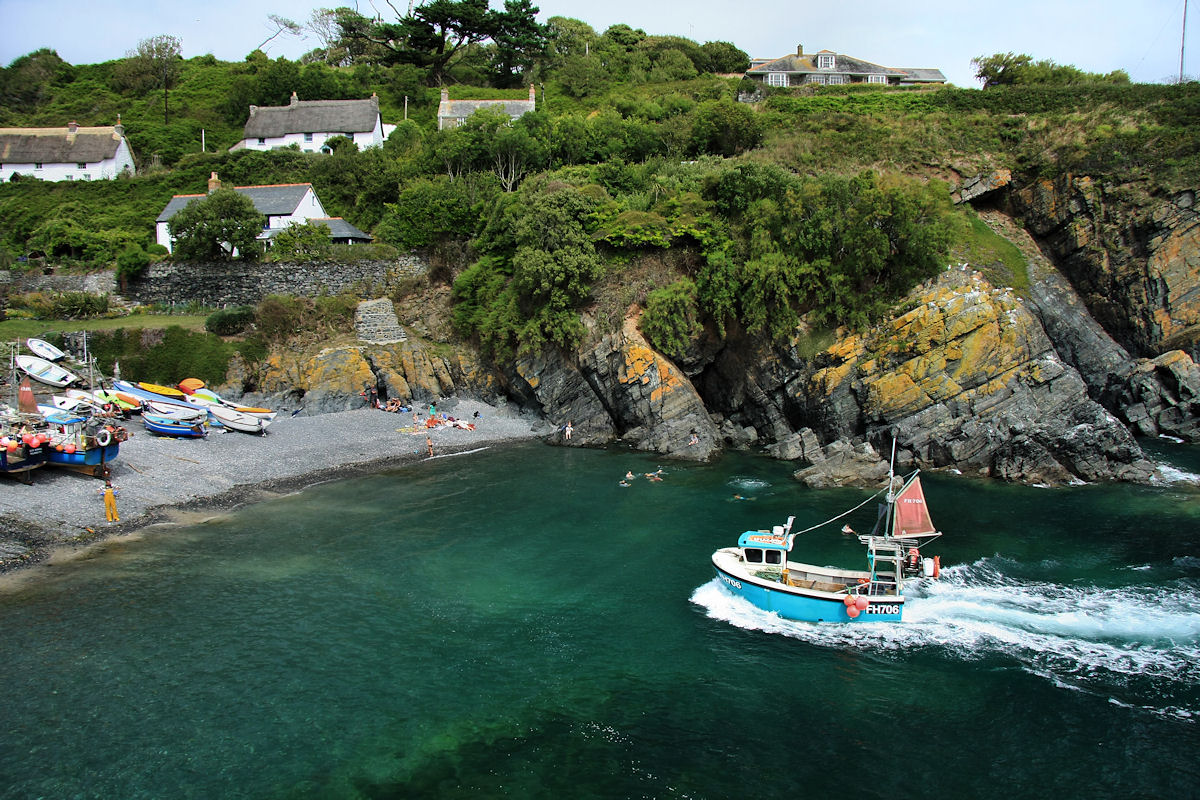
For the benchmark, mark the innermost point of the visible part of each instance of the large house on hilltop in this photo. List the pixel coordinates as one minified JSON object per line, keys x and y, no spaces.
{"x":310,"y":123}
{"x":65,"y":154}
{"x":830,"y":68}
{"x":452,"y":113}
{"x":282,"y":204}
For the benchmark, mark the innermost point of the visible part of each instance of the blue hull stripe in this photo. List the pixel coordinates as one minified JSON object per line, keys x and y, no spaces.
{"x":806,"y":608}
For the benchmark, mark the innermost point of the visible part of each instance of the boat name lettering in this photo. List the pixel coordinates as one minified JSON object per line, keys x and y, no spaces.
{"x":767,"y":539}
{"x":883,"y":608}
{"x":731,"y":581}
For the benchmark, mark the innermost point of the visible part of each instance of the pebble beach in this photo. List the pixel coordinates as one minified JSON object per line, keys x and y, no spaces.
{"x":164,"y":479}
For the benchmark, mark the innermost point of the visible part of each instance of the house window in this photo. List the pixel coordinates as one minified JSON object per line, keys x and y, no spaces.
{"x":261,"y":140}
{"x":814,"y":79}
{"x":777,"y":79}
{"x":87,"y":176}
{"x":832,"y":79}
{"x":81,"y":166}
{"x":825,"y":61}
{"x":877,"y":79}
{"x":308,"y":137}
{"x":38,"y":165}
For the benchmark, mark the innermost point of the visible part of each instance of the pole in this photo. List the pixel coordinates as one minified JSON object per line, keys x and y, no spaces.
{"x":406,"y":106}
{"x":1182,"y":40}
{"x":202,"y":147}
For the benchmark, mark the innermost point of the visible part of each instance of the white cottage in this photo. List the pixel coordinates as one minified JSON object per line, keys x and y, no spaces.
{"x":308,"y":124}
{"x":65,"y":154}
{"x":453,"y":113}
{"x":282,"y":204}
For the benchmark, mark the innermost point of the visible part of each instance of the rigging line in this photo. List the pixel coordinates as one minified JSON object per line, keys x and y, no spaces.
{"x":844,"y":513}
{"x":1153,"y":46}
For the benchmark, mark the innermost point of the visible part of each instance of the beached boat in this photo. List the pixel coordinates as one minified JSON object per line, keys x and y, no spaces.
{"x":237,"y":421}
{"x":166,"y":426}
{"x":758,"y":569}
{"x":176,"y":411}
{"x":21,"y":449}
{"x":45,"y":371}
{"x":83,"y":442}
{"x":199,"y":394}
{"x":123,"y":401}
{"x":45,"y":350}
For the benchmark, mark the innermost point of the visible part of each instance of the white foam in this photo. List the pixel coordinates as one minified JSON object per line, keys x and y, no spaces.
{"x":1170,"y":474}
{"x":1131,"y":644}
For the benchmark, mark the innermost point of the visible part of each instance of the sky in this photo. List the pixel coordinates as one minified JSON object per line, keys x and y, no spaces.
{"x":1142,"y":38}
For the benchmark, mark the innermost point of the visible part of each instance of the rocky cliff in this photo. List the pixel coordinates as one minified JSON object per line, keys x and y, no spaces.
{"x":966,"y":375}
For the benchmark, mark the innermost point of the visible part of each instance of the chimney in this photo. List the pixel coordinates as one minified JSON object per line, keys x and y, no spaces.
{"x":253,"y":110}
{"x":799,"y":49}
{"x":532,"y":93}
{"x":445,"y":95}
{"x":295,"y":99}
{"x":72,"y":127}
{"x":214,"y":183}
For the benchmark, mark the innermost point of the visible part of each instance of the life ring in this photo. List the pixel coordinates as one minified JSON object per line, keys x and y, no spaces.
{"x":103,"y":437}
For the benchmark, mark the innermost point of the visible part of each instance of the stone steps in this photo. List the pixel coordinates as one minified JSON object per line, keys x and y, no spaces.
{"x":375,"y":322}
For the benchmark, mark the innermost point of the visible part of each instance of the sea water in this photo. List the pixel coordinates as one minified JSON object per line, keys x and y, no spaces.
{"x":515,"y":623}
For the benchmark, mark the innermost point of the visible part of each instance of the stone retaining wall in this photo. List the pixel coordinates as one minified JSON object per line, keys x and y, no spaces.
{"x":241,"y":283}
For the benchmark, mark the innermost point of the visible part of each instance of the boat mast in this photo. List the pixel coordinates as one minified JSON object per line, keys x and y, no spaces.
{"x":891,"y":490}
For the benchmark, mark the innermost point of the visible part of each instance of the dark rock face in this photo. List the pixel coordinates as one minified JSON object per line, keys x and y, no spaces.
{"x":1134,"y":260}
{"x":621,"y":388}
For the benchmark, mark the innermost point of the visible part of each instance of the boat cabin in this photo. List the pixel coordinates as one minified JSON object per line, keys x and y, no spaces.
{"x":766,"y":548}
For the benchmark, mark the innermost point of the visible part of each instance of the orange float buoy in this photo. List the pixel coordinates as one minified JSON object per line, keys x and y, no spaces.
{"x":861,"y":603}
{"x":848,"y":600}
{"x":852,"y":611}
{"x":937,"y":566}
{"x":69,"y":448}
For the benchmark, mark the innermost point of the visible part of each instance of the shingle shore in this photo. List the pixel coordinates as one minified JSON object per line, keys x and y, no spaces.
{"x":158,"y":476}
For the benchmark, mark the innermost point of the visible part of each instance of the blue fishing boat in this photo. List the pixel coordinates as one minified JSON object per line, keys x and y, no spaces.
{"x":758,"y":569}
{"x":82,"y":442}
{"x":168,"y":426}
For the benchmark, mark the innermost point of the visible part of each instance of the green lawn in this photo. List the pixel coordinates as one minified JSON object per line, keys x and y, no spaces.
{"x":11,"y":329}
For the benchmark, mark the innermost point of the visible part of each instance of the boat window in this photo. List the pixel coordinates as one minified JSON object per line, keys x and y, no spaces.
{"x":754,"y":555}
{"x":774,"y":556}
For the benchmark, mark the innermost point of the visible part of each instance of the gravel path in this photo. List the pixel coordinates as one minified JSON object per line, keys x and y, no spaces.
{"x":160,"y":476}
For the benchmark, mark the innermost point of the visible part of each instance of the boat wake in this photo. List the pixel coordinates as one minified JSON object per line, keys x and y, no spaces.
{"x":1137,"y":645}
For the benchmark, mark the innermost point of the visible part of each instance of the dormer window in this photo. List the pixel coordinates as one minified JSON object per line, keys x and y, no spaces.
{"x":825,"y":60}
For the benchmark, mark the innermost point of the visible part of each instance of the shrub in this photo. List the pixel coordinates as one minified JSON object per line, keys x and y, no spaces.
{"x":132,"y":262}
{"x":671,"y":318}
{"x":230,"y":321}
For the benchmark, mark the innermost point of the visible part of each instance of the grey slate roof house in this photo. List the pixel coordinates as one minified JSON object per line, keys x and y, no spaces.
{"x":282,"y":204}
{"x":308,"y":124}
{"x":829,"y":68}
{"x":452,"y":113}
{"x":70,"y":153}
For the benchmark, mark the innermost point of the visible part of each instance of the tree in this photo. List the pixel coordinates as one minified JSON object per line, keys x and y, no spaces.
{"x":1007,"y":69}
{"x":724,"y":57}
{"x":219,"y":227}
{"x":440,"y":33}
{"x":282,"y":26}
{"x":306,"y":242}
{"x":154,"y":63}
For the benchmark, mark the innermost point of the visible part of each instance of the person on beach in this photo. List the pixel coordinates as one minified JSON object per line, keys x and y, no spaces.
{"x":429,"y":444}
{"x":110,"y":493}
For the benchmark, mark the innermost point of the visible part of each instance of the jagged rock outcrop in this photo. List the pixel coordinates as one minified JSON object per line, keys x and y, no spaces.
{"x":619,"y":387}
{"x":1134,"y":259}
{"x":1154,"y":396}
{"x":965,"y":378}
{"x":333,"y":378}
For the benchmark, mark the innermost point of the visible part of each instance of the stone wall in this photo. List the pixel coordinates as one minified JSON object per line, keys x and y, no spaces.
{"x":245,"y":283}
{"x":93,"y":283}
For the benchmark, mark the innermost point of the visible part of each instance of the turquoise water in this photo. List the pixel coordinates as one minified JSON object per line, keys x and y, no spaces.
{"x":515,"y":623}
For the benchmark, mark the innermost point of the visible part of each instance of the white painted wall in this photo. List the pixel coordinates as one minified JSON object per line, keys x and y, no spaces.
{"x":92,"y":171}
{"x":314,"y":142}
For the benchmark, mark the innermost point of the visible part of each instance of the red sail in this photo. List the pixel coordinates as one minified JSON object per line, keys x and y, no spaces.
{"x":911,"y":515}
{"x":26,"y":403}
